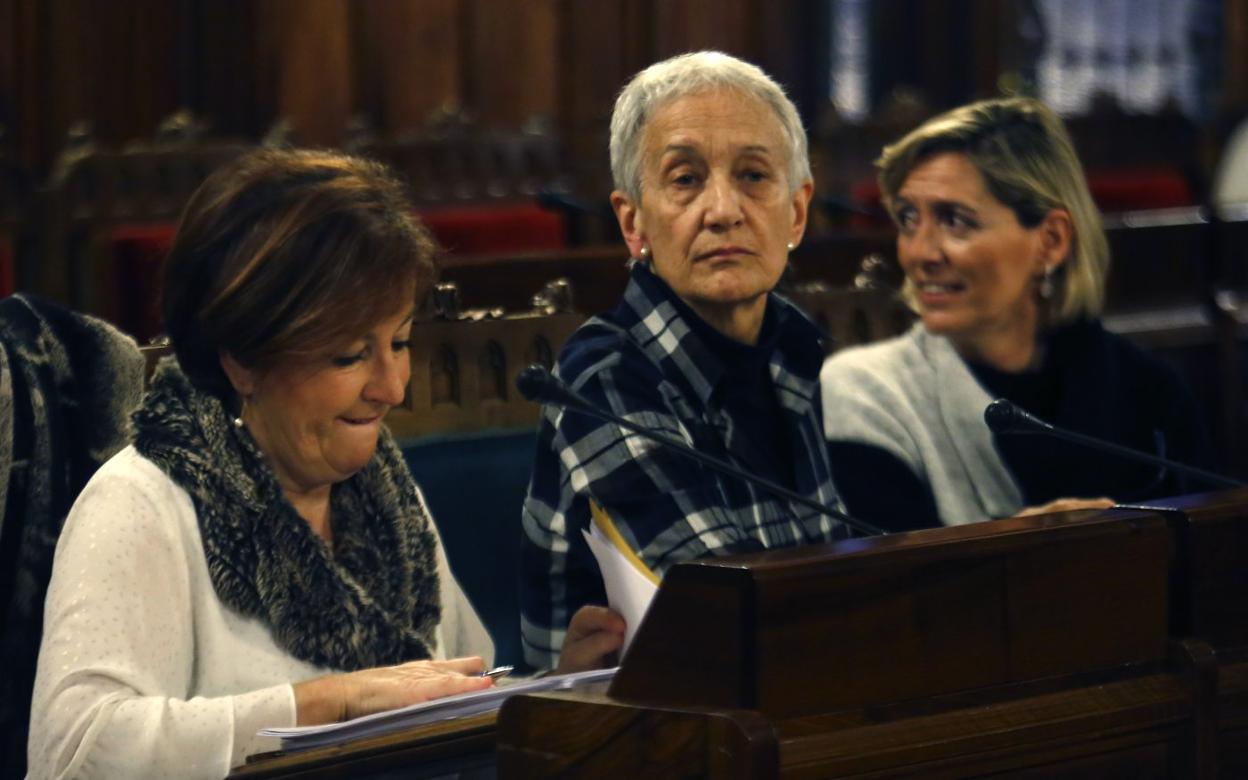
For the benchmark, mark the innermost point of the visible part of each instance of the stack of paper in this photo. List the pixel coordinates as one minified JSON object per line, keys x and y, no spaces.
{"x":629,"y":582}
{"x":462,"y":706}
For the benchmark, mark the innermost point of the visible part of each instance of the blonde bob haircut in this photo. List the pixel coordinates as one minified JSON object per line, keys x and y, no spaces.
{"x":1028,"y":162}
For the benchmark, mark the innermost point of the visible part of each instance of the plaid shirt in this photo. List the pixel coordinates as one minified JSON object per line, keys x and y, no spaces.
{"x":644,"y":363}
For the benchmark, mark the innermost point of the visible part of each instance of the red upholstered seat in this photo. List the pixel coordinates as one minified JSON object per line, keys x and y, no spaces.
{"x":1116,"y":190}
{"x":1133,"y":189}
{"x":8,"y":268}
{"x":137,"y":251}
{"x":472,"y":230}
{"x":137,"y":254}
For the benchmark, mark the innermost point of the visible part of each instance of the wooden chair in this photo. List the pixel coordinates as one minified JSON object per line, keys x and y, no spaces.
{"x":107,"y":216}
{"x":16,"y":196}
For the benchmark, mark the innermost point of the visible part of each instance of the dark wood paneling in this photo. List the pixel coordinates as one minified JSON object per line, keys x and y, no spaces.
{"x":512,"y":61}
{"x":409,"y":60}
{"x":307,"y":75}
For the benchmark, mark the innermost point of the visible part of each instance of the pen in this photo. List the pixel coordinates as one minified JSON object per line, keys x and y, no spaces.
{"x":498,"y":671}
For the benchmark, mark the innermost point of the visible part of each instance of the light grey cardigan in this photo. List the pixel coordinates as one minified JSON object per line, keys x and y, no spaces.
{"x":914,"y":397}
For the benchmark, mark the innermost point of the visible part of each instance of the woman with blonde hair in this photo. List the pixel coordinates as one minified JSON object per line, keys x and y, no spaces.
{"x":1005,"y":261}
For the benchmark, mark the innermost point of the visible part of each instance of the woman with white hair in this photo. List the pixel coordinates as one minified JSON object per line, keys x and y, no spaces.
{"x":712,"y":187}
{"x":1005,"y":262}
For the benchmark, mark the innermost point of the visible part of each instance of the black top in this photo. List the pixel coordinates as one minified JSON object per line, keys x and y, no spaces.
{"x":747,"y":392}
{"x":1090,"y":381}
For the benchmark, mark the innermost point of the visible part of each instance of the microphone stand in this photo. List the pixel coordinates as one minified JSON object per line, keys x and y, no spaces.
{"x":1005,"y":417}
{"x":553,"y":391}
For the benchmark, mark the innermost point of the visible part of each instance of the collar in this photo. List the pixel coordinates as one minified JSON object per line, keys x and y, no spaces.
{"x":669,"y":331}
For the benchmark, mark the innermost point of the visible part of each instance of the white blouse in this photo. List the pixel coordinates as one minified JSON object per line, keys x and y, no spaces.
{"x":143,"y":671}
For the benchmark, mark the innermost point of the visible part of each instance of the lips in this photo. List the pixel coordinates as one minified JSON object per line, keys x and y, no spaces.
{"x":939,"y":288}
{"x":723,"y":252}
{"x":361,"y":420}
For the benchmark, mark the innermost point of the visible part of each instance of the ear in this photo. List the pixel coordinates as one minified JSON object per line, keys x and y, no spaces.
{"x":243,"y":379}
{"x":629,"y":216}
{"x":1056,"y":233}
{"x":801,"y":210}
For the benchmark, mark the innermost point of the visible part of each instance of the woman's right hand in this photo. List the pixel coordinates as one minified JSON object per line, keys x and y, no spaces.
{"x":339,"y":697}
{"x":1067,"y":505}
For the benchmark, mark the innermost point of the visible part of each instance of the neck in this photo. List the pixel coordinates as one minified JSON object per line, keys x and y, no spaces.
{"x":738,"y":321}
{"x":1010,"y":352}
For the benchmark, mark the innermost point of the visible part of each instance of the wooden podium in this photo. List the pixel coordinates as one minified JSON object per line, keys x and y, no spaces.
{"x":1072,"y":645}
{"x":1078,"y":645}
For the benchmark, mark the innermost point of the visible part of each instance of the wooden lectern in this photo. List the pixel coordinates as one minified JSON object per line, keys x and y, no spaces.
{"x":1072,"y":645}
{"x":1075,"y":645}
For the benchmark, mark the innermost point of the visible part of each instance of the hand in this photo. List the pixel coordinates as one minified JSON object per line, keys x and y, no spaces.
{"x":341,"y":697}
{"x":594,"y":635}
{"x":1067,"y":505}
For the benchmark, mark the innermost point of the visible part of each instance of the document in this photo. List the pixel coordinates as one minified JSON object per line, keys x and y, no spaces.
{"x":630,"y":584}
{"x":462,"y":706}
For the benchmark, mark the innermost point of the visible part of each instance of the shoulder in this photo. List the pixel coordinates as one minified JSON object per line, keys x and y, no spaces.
{"x":874,"y":365}
{"x":131,"y":501}
{"x":603,"y":350}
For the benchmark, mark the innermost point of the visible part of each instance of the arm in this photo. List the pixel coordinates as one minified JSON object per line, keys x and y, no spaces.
{"x":113,"y":688}
{"x":877,"y":487}
{"x":666,"y":507}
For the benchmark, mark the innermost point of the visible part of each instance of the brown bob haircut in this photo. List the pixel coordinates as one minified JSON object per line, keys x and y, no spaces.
{"x":285,"y":255}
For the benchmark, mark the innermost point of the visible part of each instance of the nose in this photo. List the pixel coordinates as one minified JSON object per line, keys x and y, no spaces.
{"x":920,"y":244}
{"x":723,"y":203}
{"x":388,"y":383}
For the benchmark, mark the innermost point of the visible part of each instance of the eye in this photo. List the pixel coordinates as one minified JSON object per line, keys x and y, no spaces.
{"x":344,"y":361}
{"x":684,"y":180}
{"x":960,"y":224}
{"x":400,"y":345}
{"x":754,"y":176}
{"x":906,"y":217}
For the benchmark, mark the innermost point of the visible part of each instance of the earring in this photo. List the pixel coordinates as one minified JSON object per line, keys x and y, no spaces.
{"x":1046,"y":283}
{"x":644,"y":252}
{"x":238,"y":421}
{"x":792,"y":246}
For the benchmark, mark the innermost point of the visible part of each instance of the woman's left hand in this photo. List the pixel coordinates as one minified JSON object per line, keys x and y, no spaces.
{"x":594,"y":635}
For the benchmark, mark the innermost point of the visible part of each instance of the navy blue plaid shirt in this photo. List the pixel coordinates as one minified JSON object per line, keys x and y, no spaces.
{"x":645,"y":363}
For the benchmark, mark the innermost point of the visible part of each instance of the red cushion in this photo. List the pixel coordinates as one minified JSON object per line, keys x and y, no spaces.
{"x":8,"y":268}
{"x":1133,"y":189}
{"x":474,"y":230}
{"x":139,"y":250}
{"x":1127,"y":189}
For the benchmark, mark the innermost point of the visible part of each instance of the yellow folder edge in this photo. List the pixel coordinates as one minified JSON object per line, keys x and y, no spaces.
{"x":607,"y":526}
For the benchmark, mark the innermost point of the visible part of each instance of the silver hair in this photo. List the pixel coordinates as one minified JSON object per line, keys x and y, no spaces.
{"x":684,"y":75}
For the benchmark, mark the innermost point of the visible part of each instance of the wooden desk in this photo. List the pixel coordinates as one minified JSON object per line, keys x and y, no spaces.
{"x":462,"y":748}
{"x":1072,"y":645}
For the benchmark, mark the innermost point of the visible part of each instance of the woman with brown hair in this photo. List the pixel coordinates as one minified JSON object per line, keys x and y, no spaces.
{"x":260,"y":556}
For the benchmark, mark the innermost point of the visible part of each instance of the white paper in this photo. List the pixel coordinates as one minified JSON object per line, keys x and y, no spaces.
{"x":629,"y":592}
{"x":462,"y":706}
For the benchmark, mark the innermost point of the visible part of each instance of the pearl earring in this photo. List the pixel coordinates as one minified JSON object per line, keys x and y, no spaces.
{"x":792,"y":246}
{"x":644,"y":252}
{"x":238,"y":421}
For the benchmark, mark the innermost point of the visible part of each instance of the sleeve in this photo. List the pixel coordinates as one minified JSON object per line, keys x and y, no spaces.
{"x":668,"y":508}
{"x":460,"y":631}
{"x":117,"y":662}
{"x":879,"y":488}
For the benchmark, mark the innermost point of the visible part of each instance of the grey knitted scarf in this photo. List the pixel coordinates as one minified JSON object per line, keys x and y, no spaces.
{"x":372,"y":601}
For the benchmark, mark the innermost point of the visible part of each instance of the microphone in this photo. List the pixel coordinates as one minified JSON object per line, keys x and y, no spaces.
{"x":1005,"y":417}
{"x":537,"y":384}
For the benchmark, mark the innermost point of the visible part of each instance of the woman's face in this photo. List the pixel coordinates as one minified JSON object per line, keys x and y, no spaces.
{"x":317,"y":422}
{"x":974,"y":269}
{"x":717,"y":211}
